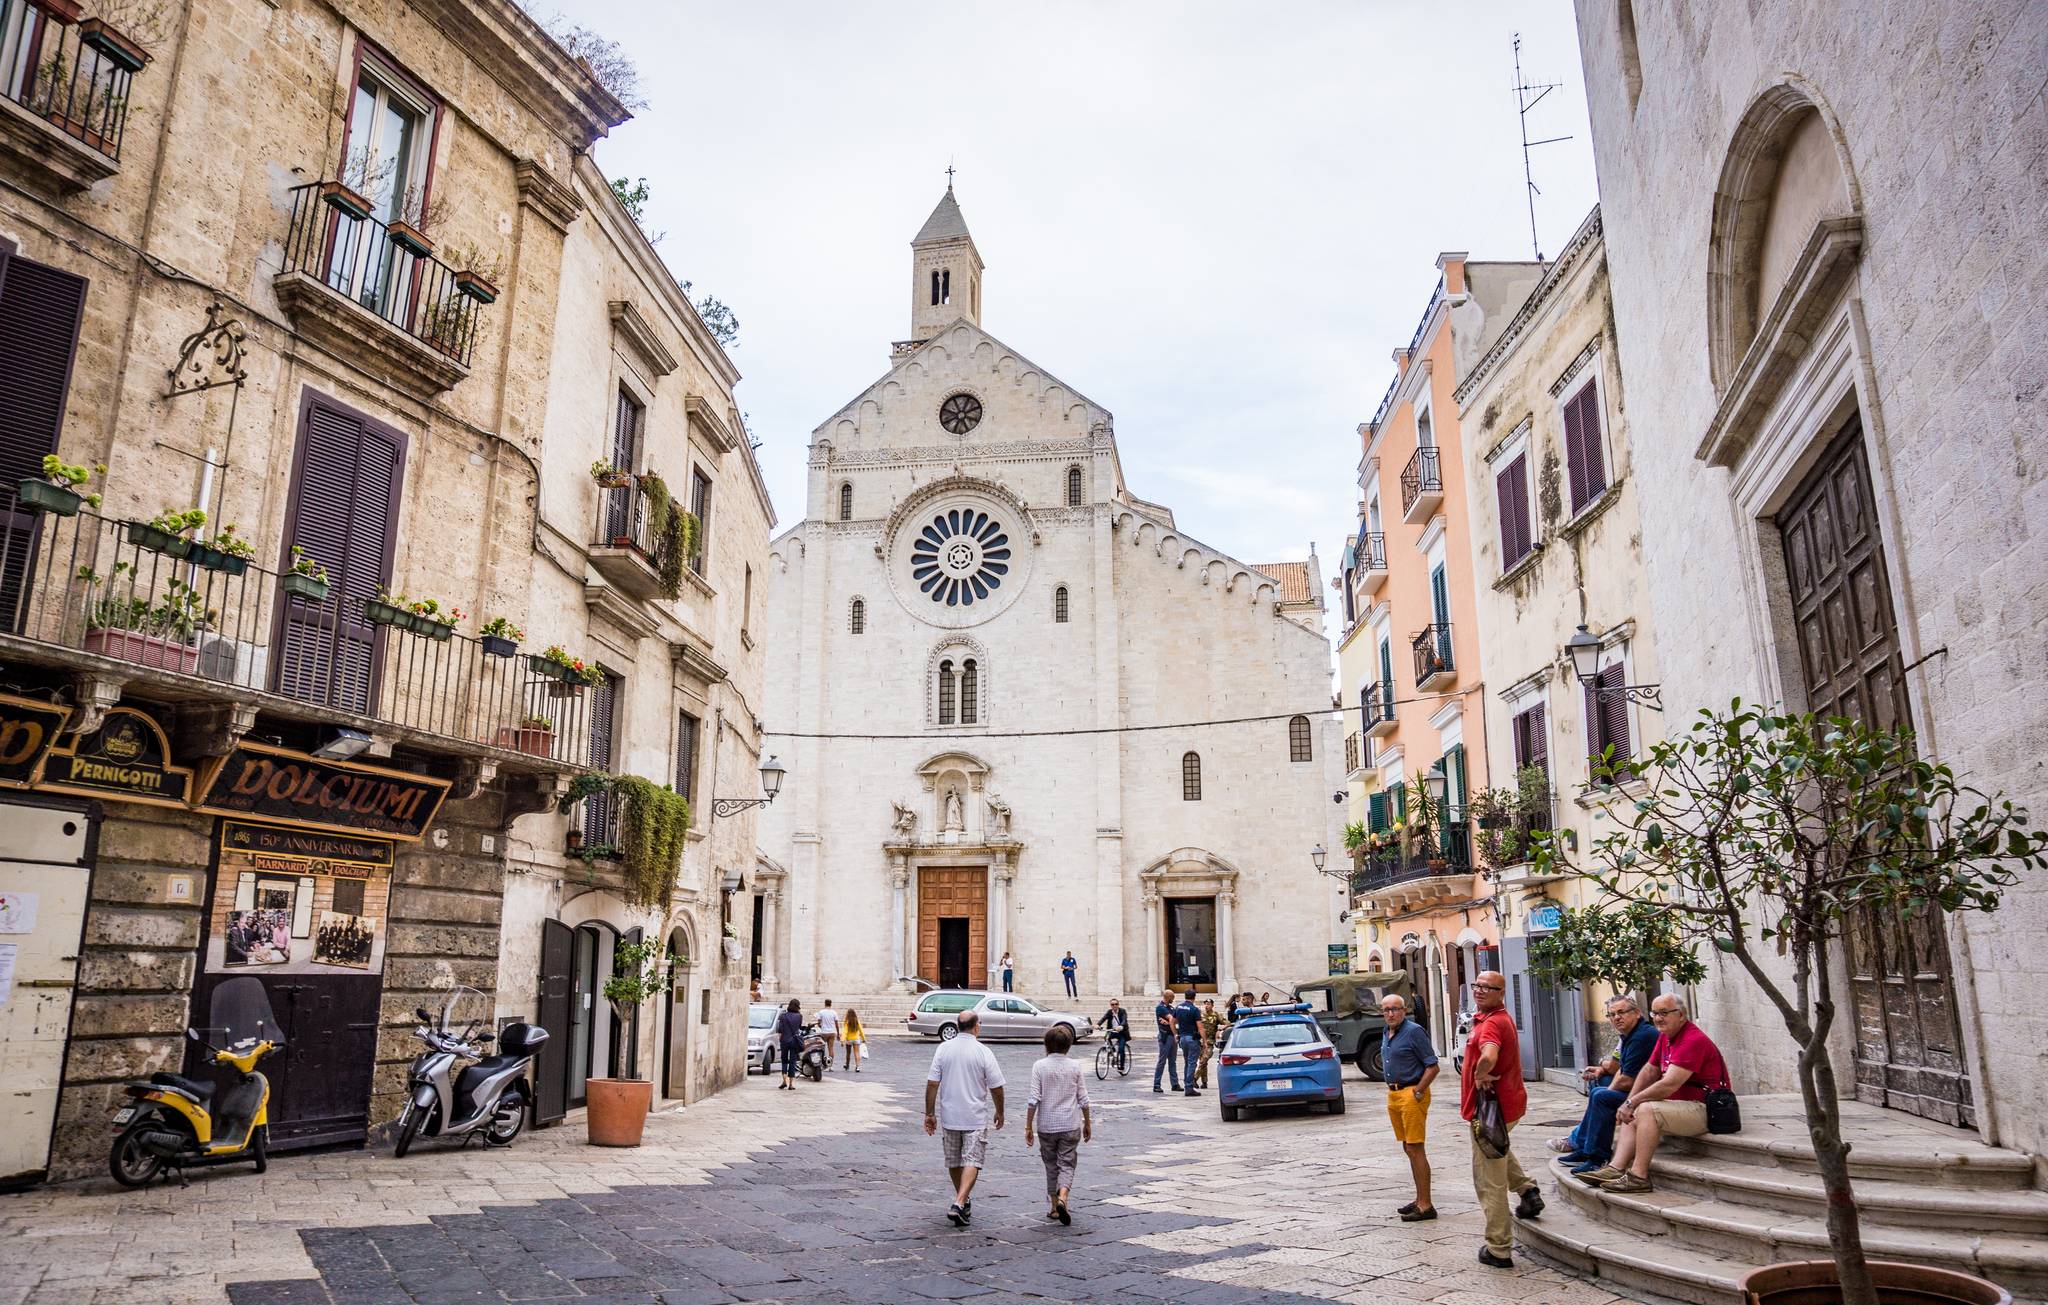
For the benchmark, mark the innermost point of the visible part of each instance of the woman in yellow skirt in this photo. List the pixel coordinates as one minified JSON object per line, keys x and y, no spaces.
{"x":856,"y":1040}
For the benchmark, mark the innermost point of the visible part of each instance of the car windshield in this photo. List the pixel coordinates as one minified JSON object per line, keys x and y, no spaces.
{"x":1275,"y":1033}
{"x":760,"y":1017}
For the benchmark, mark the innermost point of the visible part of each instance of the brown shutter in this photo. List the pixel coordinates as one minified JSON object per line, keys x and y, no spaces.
{"x":686,"y":757}
{"x":1594,"y":725}
{"x":1614,"y":713}
{"x":1511,"y":486}
{"x":1592,"y":460}
{"x":40,"y":311}
{"x":1539,"y":738}
{"x":597,"y":808}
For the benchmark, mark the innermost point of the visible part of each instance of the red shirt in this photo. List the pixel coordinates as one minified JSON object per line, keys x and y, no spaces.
{"x":1497,"y":1028}
{"x":1695,"y":1051}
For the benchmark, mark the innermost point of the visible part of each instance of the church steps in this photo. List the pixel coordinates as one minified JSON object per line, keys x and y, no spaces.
{"x":1944,"y":1159}
{"x":1911,"y":1203}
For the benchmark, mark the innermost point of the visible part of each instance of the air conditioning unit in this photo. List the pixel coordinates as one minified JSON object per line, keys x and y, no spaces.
{"x":235,"y":661}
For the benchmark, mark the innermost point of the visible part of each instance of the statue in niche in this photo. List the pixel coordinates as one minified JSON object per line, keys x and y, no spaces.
{"x":906,"y":822}
{"x":953,"y":821}
{"x":998,"y":818}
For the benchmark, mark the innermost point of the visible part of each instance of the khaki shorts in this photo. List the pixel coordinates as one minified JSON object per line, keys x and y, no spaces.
{"x":1409,"y":1116}
{"x":967,"y":1148}
{"x":1678,"y":1118}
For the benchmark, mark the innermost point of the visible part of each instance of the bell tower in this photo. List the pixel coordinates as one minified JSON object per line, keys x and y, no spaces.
{"x":945,"y":272}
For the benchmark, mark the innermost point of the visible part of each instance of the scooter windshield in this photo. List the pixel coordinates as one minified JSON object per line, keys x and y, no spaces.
{"x":465,"y":1012}
{"x":239,"y":1016}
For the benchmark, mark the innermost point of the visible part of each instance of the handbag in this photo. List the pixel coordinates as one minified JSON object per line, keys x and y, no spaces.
{"x":1724,"y":1112}
{"x":1490,"y":1126}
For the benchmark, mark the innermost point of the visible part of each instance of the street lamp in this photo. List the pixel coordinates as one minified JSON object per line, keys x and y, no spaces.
{"x":1584,"y":650}
{"x":772,"y":772}
{"x":1319,"y":856}
{"x":1438,"y":783}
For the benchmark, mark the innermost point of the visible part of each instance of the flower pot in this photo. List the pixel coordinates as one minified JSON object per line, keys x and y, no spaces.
{"x":144,"y":535}
{"x":113,"y":45}
{"x":615,"y":480}
{"x":497,"y":645}
{"x":65,"y":12}
{"x":437,"y":630}
{"x":618,"y":1110}
{"x":345,"y":200}
{"x":1814,"y":1282}
{"x":143,"y":649}
{"x":35,"y":492}
{"x":544,"y":668}
{"x":311,"y":588}
{"x":214,"y":559}
{"x":378,"y":612}
{"x":411,"y":239}
{"x":565,"y":688}
{"x":530,"y":739}
{"x":476,"y":287}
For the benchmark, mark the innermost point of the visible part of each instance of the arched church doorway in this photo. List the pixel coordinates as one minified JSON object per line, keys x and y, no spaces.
{"x":675,"y":1037}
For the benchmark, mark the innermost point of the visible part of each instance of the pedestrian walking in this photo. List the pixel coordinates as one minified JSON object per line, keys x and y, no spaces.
{"x":1493,"y":1064}
{"x":789,"y":1035}
{"x":1187,"y":1022}
{"x":754,"y":993}
{"x":828,"y":1029}
{"x":964,"y":1080}
{"x":1058,"y":1107}
{"x":856,"y":1039}
{"x":1070,"y":971}
{"x":1169,"y":1041}
{"x":1212,"y":1024}
{"x":1009,"y":972}
{"x":1409,"y":1064}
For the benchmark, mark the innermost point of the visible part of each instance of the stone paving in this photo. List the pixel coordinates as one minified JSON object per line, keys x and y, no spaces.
{"x":829,"y":1195}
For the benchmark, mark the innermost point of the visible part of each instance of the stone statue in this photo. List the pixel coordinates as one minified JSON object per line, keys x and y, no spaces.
{"x":998,"y":817}
{"x":953,"y":820}
{"x":906,"y":822}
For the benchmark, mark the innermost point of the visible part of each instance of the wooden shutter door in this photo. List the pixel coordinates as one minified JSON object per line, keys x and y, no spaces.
{"x":40,"y":311}
{"x":1591,"y":456}
{"x":1593,"y":725}
{"x":551,"y":1069}
{"x":1575,"y":453}
{"x":620,"y":504}
{"x":1614,"y":712}
{"x":1539,"y":740}
{"x":1504,"y":493}
{"x":597,"y":808}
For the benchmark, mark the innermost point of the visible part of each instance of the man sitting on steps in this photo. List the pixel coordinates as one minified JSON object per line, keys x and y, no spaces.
{"x":1589,"y":1146}
{"x":1670,"y":1098}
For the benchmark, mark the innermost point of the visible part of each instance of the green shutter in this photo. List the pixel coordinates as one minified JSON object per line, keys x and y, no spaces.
{"x":1456,"y":795}
{"x":1401,"y":803}
{"x":1376,"y":818}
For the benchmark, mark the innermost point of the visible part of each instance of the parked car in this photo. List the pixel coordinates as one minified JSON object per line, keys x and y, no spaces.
{"x":761,"y":1048}
{"x":1004,"y":1015}
{"x":1348,"y":1008}
{"x":1279,"y":1056}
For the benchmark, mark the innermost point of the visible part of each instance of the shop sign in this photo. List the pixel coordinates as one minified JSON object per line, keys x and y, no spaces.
{"x":1544,"y":917}
{"x":1340,"y":957}
{"x":28,"y":728}
{"x":127,"y":758}
{"x":306,"y":851}
{"x":291,"y":788}
{"x":298,"y":902}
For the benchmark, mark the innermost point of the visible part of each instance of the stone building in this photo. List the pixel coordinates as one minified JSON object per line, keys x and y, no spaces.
{"x":217,"y":768}
{"x":1411,"y":655}
{"x":974,"y":613}
{"x":1556,"y":544}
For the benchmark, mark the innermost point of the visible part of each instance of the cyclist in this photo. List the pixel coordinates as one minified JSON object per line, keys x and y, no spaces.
{"x":1116,"y":1028}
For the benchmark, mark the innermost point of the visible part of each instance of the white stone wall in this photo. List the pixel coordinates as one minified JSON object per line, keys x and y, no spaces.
{"x":1938,"y":116}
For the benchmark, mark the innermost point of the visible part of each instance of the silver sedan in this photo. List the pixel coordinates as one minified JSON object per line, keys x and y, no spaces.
{"x":1004,"y":1016}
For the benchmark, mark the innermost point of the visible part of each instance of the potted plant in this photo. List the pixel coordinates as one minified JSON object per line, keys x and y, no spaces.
{"x":609,"y":477}
{"x":477,"y":274}
{"x":618,"y":1106}
{"x":1768,"y":835}
{"x":416,"y":215}
{"x":306,"y":578}
{"x":348,"y":193}
{"x":124,"y":31}
{"x":226,"y":552}
{"x":500,"y":637}
{"x":534,"y":735}
{"x":166,"y":531}
{"x":388,"y":608}
{"x":448,"y":327}
{"x":430,"y":619}
{"x":56,"y":490}
{"x":129,"y":626}
{"x":569,"y":675}
{"x":550,"y":665}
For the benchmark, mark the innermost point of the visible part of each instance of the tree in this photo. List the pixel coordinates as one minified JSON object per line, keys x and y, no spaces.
{"x":634,"y":195}
{"x":606,"y":61}
{"x":1631,"y":949}
{"x":720,"y":320}
{"x":1762,"y":832}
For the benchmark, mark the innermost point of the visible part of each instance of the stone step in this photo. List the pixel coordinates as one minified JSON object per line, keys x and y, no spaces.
{"x":1644,"y":1269}
{"x":1883,"y":1201}
{"x":1884,"y":1146}
{"x":1748,"y":1234}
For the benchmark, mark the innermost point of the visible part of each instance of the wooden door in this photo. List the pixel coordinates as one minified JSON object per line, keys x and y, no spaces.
{"x":40,"y":311}
{"x":956,"y":893}
{"x":551,"y":1070}
{"x":45,"y":874}
{"x":1908,"y":1038}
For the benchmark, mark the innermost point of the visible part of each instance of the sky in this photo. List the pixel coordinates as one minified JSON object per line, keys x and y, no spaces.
{"x":1216,"y":219}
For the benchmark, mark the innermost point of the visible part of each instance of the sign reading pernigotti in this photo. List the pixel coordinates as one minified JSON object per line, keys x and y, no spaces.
{"x":127,"y":758}
{"x":292,"y":788}
{"x":28,"y":727}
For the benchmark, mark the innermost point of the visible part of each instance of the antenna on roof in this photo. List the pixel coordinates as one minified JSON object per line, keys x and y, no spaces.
{"x":1524,"y":101}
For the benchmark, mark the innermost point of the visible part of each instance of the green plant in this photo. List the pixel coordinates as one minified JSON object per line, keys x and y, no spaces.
{"x":536,"y":723}
{"x":639,"y":973}
{"x":304,"y":565}
{"x":653,"y":820}
{"x":1631,"y":949}
{"x":1770,"y":833}
{"x":588,"y":783}
{"x":178,"y":523}
{"x":450,"y":325}
{"x":578,"y":670}
{"x":1355,"y":836}
{"x":499,"y":627}
{"x":65,"y":475}
{"x":473,"y":260}
{"x":145,"y":22}
{"x":178,"y":616}
{"x":227,"y":541}
{"x":431,"y":609}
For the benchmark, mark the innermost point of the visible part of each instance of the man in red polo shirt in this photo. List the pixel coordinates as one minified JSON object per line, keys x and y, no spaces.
{"x":1493,"y":1060}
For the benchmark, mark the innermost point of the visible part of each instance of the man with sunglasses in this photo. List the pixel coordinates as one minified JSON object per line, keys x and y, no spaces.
{"x":1493,"y":1062}
{"x":1589,"y":1146}
{"x":1670,"y":1097}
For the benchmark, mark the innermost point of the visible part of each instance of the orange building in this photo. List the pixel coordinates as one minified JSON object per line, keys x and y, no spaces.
{"x":1411,"y":656}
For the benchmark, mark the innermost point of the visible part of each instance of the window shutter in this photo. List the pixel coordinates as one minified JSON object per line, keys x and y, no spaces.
{"x":597,"y":808}
{"x":1614,"y":712}
{"x":1376,"y":818}
{"x":40,"y":311}
{"x":1591,"y":456}
{"x":1575,"y":453}
{"x":1440,"y":594}
{"x":686,"y":757}
{"x":1401,"y":802}
{"x":1539,"y":741}
{"x":1512,"y":487}
{"x":700,"y":508}
{"x":1595,"y":726}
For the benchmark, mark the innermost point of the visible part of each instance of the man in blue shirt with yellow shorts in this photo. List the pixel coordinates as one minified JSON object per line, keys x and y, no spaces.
{"x":1409,"y":1062}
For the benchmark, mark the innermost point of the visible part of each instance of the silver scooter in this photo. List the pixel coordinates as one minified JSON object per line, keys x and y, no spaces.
{"x":488,"y":1098}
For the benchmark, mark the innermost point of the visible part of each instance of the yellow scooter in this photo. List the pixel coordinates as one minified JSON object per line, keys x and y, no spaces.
{"x":176,"y":1122}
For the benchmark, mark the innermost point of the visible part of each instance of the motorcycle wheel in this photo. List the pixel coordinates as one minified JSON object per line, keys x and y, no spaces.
{"x":131,"y":1165}
{"x":259,"y":1148}
{"x":409,"y":1124}
{"x":499,"y":1133}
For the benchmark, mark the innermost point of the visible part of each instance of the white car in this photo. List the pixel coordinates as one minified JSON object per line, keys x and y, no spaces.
{"x":1004,"y":1015}
{"x":761,"y":1048}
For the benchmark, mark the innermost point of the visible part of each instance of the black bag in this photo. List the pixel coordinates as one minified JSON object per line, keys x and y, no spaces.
{"x":1490,"y":1126}
{"x":1724,"y":1112}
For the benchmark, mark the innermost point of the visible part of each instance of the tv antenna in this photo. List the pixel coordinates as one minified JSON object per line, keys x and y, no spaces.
{"x":1525,"y":101}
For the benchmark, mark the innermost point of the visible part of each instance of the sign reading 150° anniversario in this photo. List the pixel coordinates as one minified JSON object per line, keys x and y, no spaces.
{"x":291,"y":788}
{"x":127,"y":758}
{"x":28,"y":728}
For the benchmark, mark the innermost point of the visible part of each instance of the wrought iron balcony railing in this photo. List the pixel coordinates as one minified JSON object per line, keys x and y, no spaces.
{"x":1376,"y":707}
{"x":1445,"y":850}
{"x":111,"y":589}
{"x":1422,"y":480}
{"x":1506,"y":838}
{"x":75,"y":76}
{"x":1433,"y":653}
{"x":1372,"y":550}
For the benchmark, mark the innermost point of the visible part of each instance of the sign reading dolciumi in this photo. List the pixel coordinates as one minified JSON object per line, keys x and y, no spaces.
{"x":293,"y":788}
{"x":127,"y":758}
{"x":27,"y":729}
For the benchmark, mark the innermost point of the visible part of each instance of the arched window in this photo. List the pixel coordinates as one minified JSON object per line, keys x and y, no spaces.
{"x":935,"y":288}
{"x":1298,"y":748}
{"x":945,"y":693}
{"x":1073,"y":487}
{"x":857,"y":616}
{"x":970,"y":692}
{"x":1190,"y":777}
{"x":1059,"y":605}
{"x":946,"y":286}
{"x":846,"y":501}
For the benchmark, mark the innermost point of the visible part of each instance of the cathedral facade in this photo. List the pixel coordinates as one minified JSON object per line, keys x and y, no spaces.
{"x":1022,"y":712}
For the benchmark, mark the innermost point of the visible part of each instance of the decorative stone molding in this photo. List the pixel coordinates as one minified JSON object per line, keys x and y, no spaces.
{"x":93,"y":695}
{"x":212,"y":729}
{"x":706,"y":420}
{"x":364,"y":340}
{"x":823,"y":454}
{"x":539,"y":191}
{"x":634,"y":331}
{"x":53,"y":161}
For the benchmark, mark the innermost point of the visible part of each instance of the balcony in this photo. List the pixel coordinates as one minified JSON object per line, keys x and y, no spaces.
{"x":1429,"y":865}
{"x":63,"y":94}
{"x":625,"y":548}
{"x":1355,"y":757}
{"x":85,"y":594}
{"x":1377,"y":708}
{"x":373,"y":300}
{"x":1422,"y":486}
{"x":1372,"y":563}
{"x":1434,"y":664}
{"x":1505,"y":835}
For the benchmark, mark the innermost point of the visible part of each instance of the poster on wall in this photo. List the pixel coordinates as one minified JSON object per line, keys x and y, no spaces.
{"x":292,"y":902}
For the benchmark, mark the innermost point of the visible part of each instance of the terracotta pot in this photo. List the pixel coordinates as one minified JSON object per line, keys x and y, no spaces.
{"x":1813,"y":1282}
{"x":618,"y":1110}
{"x":143,"y":649}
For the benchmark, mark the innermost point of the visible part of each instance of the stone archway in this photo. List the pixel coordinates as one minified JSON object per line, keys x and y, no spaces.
{"x":1179,"y":890}
{"x":676,"y":1044}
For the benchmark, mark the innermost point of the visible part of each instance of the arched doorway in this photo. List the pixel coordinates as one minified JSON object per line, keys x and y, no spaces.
{"x":675,"y":1037}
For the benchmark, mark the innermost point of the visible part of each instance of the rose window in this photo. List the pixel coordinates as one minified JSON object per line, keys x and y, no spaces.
{"x":960,"y":557}
{"x":960,"y":413}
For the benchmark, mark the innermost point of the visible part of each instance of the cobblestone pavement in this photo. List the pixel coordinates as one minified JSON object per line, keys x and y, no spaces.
{"x":828,"y":1195}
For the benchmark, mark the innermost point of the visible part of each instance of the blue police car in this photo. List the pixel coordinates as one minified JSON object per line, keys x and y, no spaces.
{"x":1278,"y":1055}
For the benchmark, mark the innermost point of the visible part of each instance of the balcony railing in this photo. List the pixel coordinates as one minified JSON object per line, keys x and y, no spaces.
{"x":92,"y":585}
{"x":1353,"y":755}
{"x":1504,"y":839}
{"x":625,"y":547}
{"x":1376,"y":707}
{"x":1446,"y":850}
{"x":1372,"y":550}
{"x":359,"y":259}
{"x":1422,"y":482}
{"x":75,"y":77}
{"x":1433,"y":654}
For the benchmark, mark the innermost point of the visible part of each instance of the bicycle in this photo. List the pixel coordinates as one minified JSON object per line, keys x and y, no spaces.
{"x":1113,"y":1053}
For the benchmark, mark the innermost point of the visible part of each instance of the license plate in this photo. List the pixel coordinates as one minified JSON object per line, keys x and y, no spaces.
{"x":123,"y":1116}
{"x":1279,"y":1084}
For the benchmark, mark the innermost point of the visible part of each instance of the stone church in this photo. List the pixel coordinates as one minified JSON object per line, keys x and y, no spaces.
{"x":992,"y":672}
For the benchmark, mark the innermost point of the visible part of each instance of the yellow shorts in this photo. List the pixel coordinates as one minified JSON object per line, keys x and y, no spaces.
{"x":1409,"y":1116}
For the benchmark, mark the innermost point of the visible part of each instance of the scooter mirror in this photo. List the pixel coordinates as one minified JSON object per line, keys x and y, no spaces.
{"x":421,"y":1011}
{"x":192,"y":1034}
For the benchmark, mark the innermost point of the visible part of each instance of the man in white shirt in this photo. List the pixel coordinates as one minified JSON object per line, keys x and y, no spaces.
{"x":828,"y":1029}
{"x":964,"y":1079}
